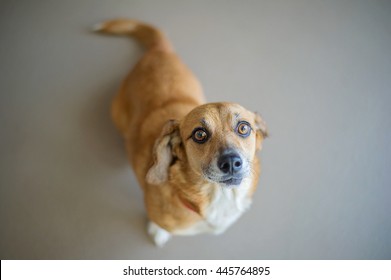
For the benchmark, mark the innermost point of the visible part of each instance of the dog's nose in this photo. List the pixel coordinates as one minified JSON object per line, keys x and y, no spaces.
{"x":230,"y":163}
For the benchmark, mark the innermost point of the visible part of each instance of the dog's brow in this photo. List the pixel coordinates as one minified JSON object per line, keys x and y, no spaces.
{"x":204,"y":122}
{"x":237,"y":117}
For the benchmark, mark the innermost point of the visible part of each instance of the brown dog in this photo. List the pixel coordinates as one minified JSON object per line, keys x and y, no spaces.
{"x":196,"y":162}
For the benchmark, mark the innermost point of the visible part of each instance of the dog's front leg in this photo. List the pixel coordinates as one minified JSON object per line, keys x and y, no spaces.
{"x":159,"y":235}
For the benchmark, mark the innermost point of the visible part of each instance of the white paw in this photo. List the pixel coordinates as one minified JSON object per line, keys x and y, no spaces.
{"x":160,"y":236}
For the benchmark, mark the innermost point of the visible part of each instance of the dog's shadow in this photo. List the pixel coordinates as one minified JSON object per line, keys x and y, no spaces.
{"x":116,"y":196}
{"x":103,"y":137}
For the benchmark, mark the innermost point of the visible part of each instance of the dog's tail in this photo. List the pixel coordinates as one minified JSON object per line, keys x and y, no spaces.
{"x":147,"y":35}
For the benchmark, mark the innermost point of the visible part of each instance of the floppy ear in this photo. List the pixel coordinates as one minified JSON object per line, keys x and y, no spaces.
{"x":163,"y":153}
{"x":261,"y":130}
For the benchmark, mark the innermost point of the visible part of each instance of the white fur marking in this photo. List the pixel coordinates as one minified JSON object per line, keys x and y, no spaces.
{"x":160,"y":236}
{"x":227,"y":205}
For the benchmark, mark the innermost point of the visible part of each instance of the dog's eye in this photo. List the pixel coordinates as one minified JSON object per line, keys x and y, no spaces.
{"x":244,"y":129}
{"x":200,"y":135}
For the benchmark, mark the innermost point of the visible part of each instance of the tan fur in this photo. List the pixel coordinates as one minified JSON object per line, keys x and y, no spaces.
{"x":158,"y":106}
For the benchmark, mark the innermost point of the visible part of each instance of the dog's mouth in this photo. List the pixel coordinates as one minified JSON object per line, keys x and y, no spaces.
{"x":232,"y":181}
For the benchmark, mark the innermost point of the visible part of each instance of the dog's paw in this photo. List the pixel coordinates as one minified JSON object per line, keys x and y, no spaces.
{"x":159,"y":236}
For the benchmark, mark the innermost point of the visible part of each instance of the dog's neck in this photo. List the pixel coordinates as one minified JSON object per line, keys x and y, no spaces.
{"x":218,"y":206}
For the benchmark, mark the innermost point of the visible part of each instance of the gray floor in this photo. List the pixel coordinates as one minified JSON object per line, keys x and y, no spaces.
{"x":318,"y":71}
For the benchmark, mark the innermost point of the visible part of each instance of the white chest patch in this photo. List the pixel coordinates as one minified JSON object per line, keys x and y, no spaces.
{"x":226,"y":206}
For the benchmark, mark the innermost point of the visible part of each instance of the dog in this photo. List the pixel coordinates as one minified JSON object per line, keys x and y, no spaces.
{"x":196,"y":162}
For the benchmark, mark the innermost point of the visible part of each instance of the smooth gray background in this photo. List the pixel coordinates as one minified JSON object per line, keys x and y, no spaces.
{"x":318,"y":71}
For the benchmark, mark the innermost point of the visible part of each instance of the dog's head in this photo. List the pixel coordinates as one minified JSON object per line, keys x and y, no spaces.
{"x":216,"y":141}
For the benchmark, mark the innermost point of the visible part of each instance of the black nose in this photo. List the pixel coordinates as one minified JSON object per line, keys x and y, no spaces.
{"x":230,"y":163}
